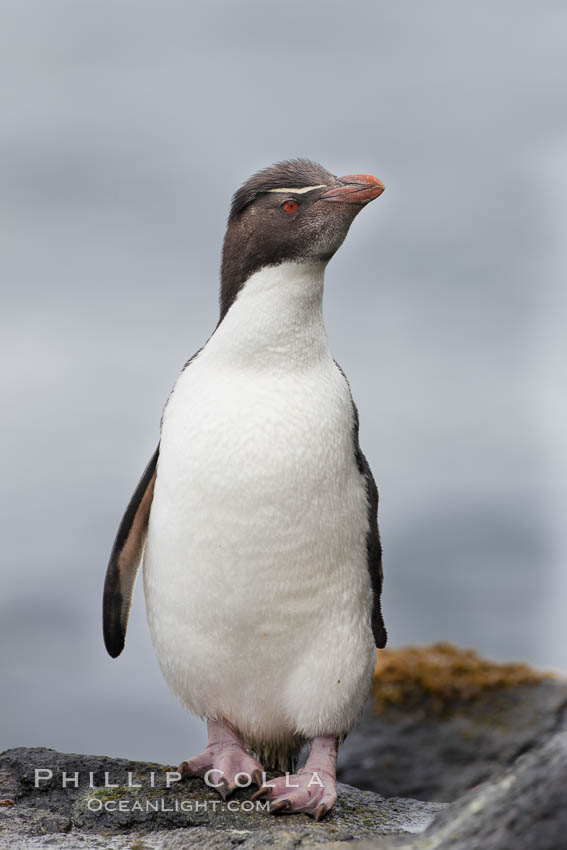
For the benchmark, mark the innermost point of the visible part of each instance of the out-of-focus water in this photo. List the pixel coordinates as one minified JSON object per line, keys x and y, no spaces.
{"x":125,"y":129}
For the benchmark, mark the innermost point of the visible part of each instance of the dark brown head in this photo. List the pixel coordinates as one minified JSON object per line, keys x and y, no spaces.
{"x":292,"y":211}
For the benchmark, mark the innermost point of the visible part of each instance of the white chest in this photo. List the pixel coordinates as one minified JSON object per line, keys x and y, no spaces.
{"x":260,"y":439}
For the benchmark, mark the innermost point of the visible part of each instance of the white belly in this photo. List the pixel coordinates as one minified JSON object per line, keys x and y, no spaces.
{"x":255,"y":575}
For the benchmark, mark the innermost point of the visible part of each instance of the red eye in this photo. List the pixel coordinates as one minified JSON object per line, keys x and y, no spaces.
{"x":290,"y":206}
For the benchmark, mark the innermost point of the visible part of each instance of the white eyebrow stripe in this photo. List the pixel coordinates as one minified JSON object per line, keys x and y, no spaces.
{"x":300,"y":191}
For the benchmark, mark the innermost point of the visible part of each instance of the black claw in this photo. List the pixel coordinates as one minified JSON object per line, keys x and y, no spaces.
{"x":256,"y":777}
{"x":224,"y":789}
{"x":280,"y":806}
{"x":261,"y":792}
{"x":320,"y":812}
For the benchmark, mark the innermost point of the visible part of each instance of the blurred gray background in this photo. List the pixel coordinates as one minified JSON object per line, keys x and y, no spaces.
{"x":125,"y":128}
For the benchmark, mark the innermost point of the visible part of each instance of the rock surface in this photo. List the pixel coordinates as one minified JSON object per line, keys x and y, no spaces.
{"x":442,"y":720}
{"x":186,"y":815}
{"x":523,"y":808}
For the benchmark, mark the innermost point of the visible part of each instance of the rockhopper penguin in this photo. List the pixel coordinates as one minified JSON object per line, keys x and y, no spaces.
{"x":257,"y":514}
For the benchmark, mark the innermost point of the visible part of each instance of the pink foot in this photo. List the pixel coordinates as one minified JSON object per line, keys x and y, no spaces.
{"x":313,"y":789}
{"x":226,"y":763}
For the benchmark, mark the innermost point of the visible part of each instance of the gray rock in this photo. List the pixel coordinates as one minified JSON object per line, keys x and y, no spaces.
{"x":523,"y":808}
{"x":412,"y":751}
{"x":186,"y":815}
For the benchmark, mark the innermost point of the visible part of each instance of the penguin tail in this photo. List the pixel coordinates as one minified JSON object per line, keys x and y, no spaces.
{"x":279,"y":756}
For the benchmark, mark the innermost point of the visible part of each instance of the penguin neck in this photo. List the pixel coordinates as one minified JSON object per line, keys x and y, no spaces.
{"x":276,"y":319}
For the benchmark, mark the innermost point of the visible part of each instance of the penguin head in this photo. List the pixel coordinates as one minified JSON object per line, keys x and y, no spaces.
{"x":294,"y":211}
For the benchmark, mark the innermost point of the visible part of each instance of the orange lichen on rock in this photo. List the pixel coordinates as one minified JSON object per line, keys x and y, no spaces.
{"x":441,"y":675}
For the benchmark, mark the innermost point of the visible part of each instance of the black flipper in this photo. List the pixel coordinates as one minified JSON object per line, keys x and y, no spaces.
{"x":373,"y":545}
{"x":125,"y":561}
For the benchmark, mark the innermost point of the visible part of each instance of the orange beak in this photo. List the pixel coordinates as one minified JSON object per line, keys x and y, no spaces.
{"x":355,"y":189}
